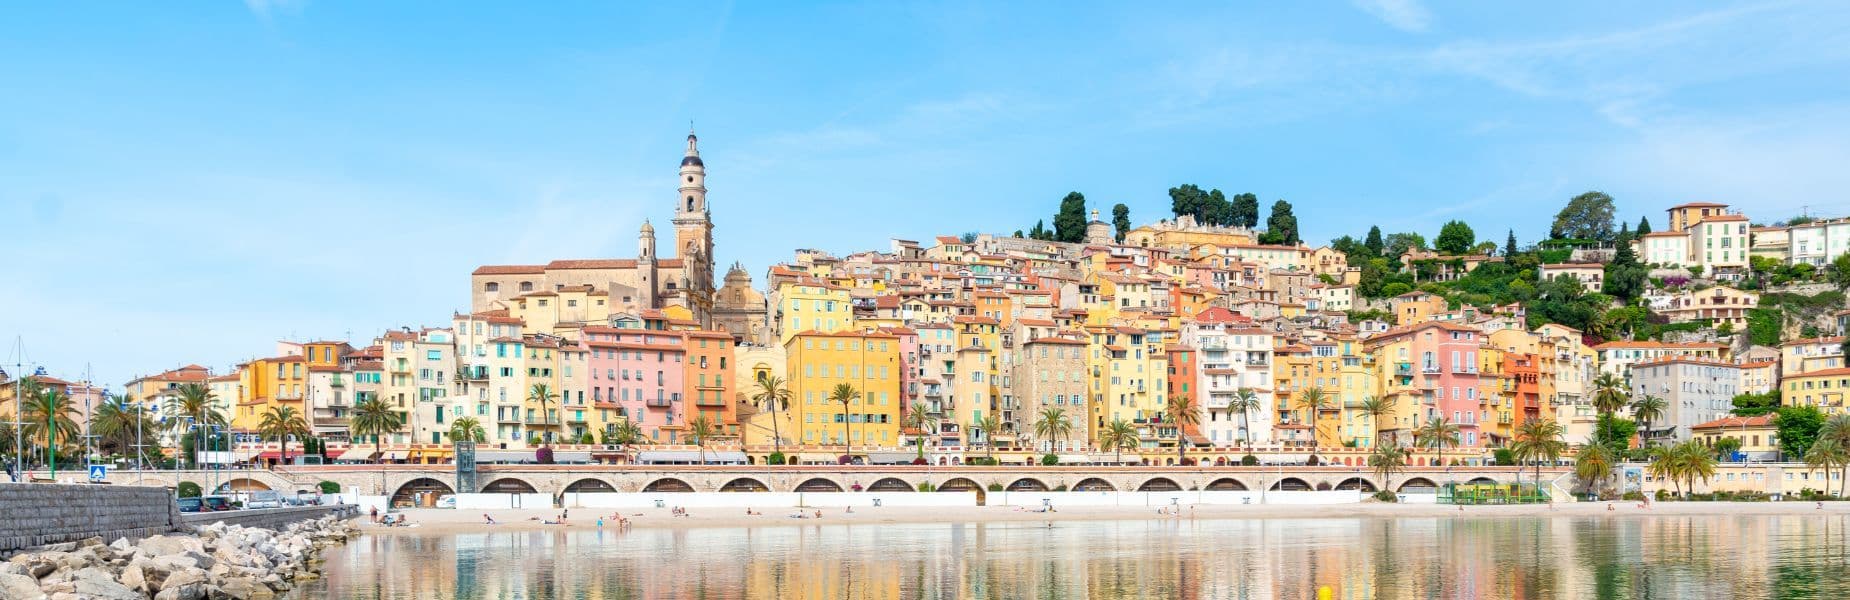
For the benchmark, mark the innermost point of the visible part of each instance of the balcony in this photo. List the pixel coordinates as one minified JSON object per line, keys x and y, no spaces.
{"x":1429,"y":369}
{"x":714,"y":400}
{"x":1403,"y":369}
{"x":1258,"y":362}
{"x":337,"y":383}
{"x":474,"y":373}
{"x":504,"y":417}
{"x":659,"y":403}
{"x":538,"y":421}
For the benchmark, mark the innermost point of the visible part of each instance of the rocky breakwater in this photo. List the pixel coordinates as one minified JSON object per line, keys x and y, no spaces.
{"x":216,"y":561}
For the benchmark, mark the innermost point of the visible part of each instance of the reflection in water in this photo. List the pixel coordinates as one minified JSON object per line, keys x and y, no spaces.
{"x":1635,"y":557}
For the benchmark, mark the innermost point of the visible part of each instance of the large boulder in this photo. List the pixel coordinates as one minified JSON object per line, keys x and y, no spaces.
{"x":14,"y":586}
{"x":191,"y":591}
{"x":245,"y":588}
{"x":99,"y":584}
{"x":162,"y":545}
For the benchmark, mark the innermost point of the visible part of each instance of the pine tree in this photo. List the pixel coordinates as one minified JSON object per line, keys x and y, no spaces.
{"x":1282,"y":226}
{"x":1509,"y":247}
{"x":1121,"y":220}
{"x":1069,"y":225}
{"x":1245,"y":211}
{"x":1374,"y":240}
{"x":1644,"y":226}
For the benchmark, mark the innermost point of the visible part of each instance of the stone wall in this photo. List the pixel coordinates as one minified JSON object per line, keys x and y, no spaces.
{"x":269,"y":518}
{"x":39,"y":514}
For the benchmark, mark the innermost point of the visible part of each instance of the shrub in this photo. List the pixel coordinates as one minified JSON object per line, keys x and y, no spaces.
{"x":995,"y":487}
{"x":1663,"y":495}
{"x":1249,"y":461}
{"x":1050,"y":460}
{"x":1386,"y":496}
{"x":925,"y":487}
{"x":329,"y":487}
{"x":187,"y":489}
{"x":776,"y":458}
{"x":844,"y":459}
{"x":1503,"y":457}
{"x":981,"y":461}
{"x":1314,"y":461}
{"x":1633,"y":496}
{"x":1060,"y":488}
{"x":920,"y":461}
{"x":543,"y":455}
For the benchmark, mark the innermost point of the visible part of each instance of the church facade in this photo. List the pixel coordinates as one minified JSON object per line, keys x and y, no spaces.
{"x":649,"y":281}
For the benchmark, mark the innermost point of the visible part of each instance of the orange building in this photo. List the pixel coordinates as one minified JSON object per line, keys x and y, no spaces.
{"x":706,"y":380}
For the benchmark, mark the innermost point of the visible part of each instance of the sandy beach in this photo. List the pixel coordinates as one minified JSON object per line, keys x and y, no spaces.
{"x":446,"y":521}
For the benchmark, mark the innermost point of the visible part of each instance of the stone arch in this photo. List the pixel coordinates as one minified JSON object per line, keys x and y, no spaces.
{"x":509,"y":485}
{"x":960,"y":484}
{"x":891,"y":484}
{"x":745,"y":484}
{"x":1291,"y":484}
{"x":1418,"y":485}
{"x":408,"y":493}
{"x":668,"y":485}
{"x":818,"y":484}
{"x":1481,"y":481}
{"x":1357,"y":483}
{"x":1226,"y":484}
{"x":590,"y":485}
{"x":242,"y":484}
{"x":1094,"y":484}
{"x":1027,"y":484}
{"x":1160,"y":484}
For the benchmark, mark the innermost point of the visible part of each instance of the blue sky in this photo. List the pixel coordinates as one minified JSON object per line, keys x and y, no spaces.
{"x":190,"y":182}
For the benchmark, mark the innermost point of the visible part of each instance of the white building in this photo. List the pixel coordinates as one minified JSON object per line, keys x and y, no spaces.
{"x":1694,"y":390}
{"x":1232,"y":357}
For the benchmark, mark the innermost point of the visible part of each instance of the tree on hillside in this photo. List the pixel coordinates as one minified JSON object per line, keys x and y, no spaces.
{"x":1625,"y":277}
{"x":1509,"y":247}
{"x":1244,"y":211}
{"x":1644,"y":226}
{"x":1069,"y":225}
{"x":1839,"y":274}
{"x":1187,"y":199}
{"x":1121,"y":220}
{"x":1282,"y":226}
{"x":1455,"y":237}
{"x":1373,"y":242}
{"x":1586,"y":217}
{"x":1400,"y":243}
{"x":1798,"y":427}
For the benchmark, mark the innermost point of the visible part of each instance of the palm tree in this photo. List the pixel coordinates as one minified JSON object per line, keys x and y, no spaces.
{"x":1313,"y":400}
{"x":699,"y":431}
{"x":845,"y":393}
{"x":468,"y":429}
{"x":1837,"y":430}
{"x":623,"y":433}
{"x":914,"y":419}
{"x":48,"y":413}
{"x":1826,"y":454}
{"x":1609,"y":393}
{"x":1245,"y":401}
{"x":988,"y":425}
{"x":773,"y":394}
{"x":1438,"y":433}
{"x":1667,"y":464}
{"x":1117,"y":436}
{"x":1538,"y":440}
{"x":1647,"y":409}
{"x":543,"y":394}
{"x":1052,"y":424}
{"x":1185,"y":414}
{"x":116,"y":421}
{"x":1375,"y":408}
{"x":194,"y":406}
{"x":281,"y":422}
{"x":1697,"y":461}
{"x":373,"y":417}
{"x":1592,"y":464}
{"x":1386,"y":460}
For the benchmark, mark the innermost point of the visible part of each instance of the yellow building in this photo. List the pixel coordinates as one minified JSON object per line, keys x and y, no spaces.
{"x":806,"y":305}
{"x":266,"y":383}
{"x":1129,"y":380}
{"x":1823,"y":389}
{"x":868,"y":361}
{"x":1759,"y":437}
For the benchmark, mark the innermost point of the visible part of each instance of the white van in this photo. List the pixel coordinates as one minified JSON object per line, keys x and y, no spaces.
{"x":264,"y":499}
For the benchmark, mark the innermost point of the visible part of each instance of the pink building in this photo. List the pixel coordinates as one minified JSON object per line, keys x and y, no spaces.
{"x":1447,"y":355}
{"x":637,"y":373}
{"x":909,"y":366}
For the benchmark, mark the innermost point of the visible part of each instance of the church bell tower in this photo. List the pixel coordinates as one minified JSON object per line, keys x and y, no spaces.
{"x":693,"y":233}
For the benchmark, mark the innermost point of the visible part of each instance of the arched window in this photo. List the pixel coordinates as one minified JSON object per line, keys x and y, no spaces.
{"x":526,"y":286}
{"x":690,"y":203}
{"x":491,"y":287}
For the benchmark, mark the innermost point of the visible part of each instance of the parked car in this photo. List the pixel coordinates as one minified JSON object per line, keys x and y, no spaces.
{"x":189,"y":505}
{"x":216,"y":503}
{"x":446,"y":501}
{"x":264,"y":499}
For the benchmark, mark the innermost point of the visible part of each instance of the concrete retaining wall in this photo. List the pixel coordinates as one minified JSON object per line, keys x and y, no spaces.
{"x":39,"y":514}
{"x":269,"y":518}
{"x":502,"y":501}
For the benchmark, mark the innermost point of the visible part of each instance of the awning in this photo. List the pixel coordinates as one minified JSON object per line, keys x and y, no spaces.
{"x":1075,"y":459}
{"x":503,"y":456}
{"x":813,"y":457}
{"x":577,"y":456}
{"x":891,"y":458}
{"x":357,"y":453}
{"x":270,"y":455}
{"x":1106,"y":459}
{"x":689,"y":457}
{"x":394,"y":455}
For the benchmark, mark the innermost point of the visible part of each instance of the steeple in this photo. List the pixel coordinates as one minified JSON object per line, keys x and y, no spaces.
{"x":645,"y":242}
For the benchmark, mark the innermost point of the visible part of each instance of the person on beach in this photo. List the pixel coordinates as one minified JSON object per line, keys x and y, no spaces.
{"x":1608,"y":507}
{"x":488,"y":520}
{"x":850,"y":510}
{"x":818,"y":513}
{"x":375,"y":514}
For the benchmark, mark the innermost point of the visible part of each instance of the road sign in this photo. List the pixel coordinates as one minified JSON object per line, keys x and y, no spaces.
{"x":99,"y":472}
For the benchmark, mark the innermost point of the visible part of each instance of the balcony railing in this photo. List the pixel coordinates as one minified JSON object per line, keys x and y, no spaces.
{"x":660,"y":403}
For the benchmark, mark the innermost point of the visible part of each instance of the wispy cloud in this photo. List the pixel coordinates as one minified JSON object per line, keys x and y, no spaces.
{"x":266,"y":9}
{"x":1405,"y":15}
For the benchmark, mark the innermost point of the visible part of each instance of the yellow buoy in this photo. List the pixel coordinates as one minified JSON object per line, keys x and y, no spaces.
{"x":1324,"y":593}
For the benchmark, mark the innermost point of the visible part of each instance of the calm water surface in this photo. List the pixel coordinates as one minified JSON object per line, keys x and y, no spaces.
{"x":1622,"y":557}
